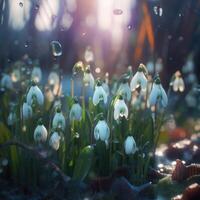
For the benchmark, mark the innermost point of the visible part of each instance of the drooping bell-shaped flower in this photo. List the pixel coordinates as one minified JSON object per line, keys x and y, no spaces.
{"x":88,"y":78}
{"x":125,"y":90}
{"x":178,"y":83}
{"x":76,"y":111}
{"x":54,"y":141}
{"x":40,"y":133}
{"x":99,"y":94}
{"x":130,"y":145}
{"x":58,"y":120}
{"x":102,"y":131}
{"x":36,"y":74}
{"x":120,"y":108}
{"x":35,"y":95}
{"x":6,"y":81}
{"x":26,"y":111}
{"x":158,"y":94}
{"x":139,"y":79}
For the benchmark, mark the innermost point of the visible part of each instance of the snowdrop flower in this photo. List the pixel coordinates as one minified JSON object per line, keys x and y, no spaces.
{"x":120,"y":108}
{"x":36,"y":74}
{"x":130,"y":145}
{"x":125,"y":90}
{"x":35,"y":95}
{"x":139,"y":79}
{"x":26,"y":111}
{"x":76,"y":111}
{"x":101,"y":131}
{"x":178,"y":83}
{"x":99,"y":94}
{"x":49,"y":94}
{"x":58,"y":120}
{"x":54,"y":141}
{"x":40,"y":133}
{"x":158,"y":94}
{"x":6,"y":82}
{"x":88,"y":78}
{"x":150,"y":66}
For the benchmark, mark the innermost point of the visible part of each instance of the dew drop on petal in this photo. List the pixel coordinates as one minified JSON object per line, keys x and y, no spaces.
{"x":117,"y":11}
{"x":20,"y":4}
{"x":129,"y":27}
{"x":37,"y":7}
{"x":26,"y":44}
{"x":56,"y":48}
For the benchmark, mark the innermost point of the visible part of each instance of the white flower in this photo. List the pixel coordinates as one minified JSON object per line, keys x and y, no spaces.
{"x":158,"y":94}
{"x":11,"y":118}
{"x":139,"y":79}
{"x":40,"y":133}
{"x":101,"y":131}
{"x":158,"y":65}
{"x":53,"y":79}
{"x":6,"y":82}
{"x":130,"y":145}
{"x":120,"y":109}
{"x":106,"y":88}
{"x":189,"y":66}
{"x":150,"y":66}
{"x":99,"y":95}
{"x":75,"y":112}
{"x":125,"y":90}
{"x":178,"y":83}
{"x":26,"y":111}
{"x":35,"y":95}
{"x":58,"y":120}
{"x":88,"y":78}
{"x":36,"y":74}
{"x":54,"y":141}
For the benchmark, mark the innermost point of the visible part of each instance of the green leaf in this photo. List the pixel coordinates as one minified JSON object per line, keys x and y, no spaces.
{"x":83,"y":163}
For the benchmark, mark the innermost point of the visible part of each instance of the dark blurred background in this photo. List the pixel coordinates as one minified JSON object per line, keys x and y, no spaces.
{"x":118,"y":32}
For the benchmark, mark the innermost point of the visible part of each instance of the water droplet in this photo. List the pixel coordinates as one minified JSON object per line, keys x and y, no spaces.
{"x":98,"y":70}
{"x":26,"y":44}
{"x":20,"y":4}
{"x":117,"y":11}
{"x":56,"y":48}
{"x":158,"y":10}
{"x":129,"y":27}
{"x":37,"y":7}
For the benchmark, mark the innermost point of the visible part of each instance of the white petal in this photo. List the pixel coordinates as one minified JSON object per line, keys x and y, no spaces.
{"x":153,"y":95}
{"x":134,"y":82}
{"x":164,"y":100}
{"x":176,"y":84}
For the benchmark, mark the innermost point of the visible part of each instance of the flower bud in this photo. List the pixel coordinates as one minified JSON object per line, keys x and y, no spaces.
{"x":130,"y":145}
{"x":40,"y":133}
{"x":54,"y":141}
{"x":58,"y":120}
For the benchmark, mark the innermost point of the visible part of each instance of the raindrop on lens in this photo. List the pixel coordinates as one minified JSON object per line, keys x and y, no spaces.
{"x":20,"y":4}
{"x":117,"y":11}
{"x":56,"y":48}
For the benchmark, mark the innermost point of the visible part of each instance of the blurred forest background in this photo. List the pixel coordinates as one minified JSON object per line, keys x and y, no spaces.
{"x":119,"y":32}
